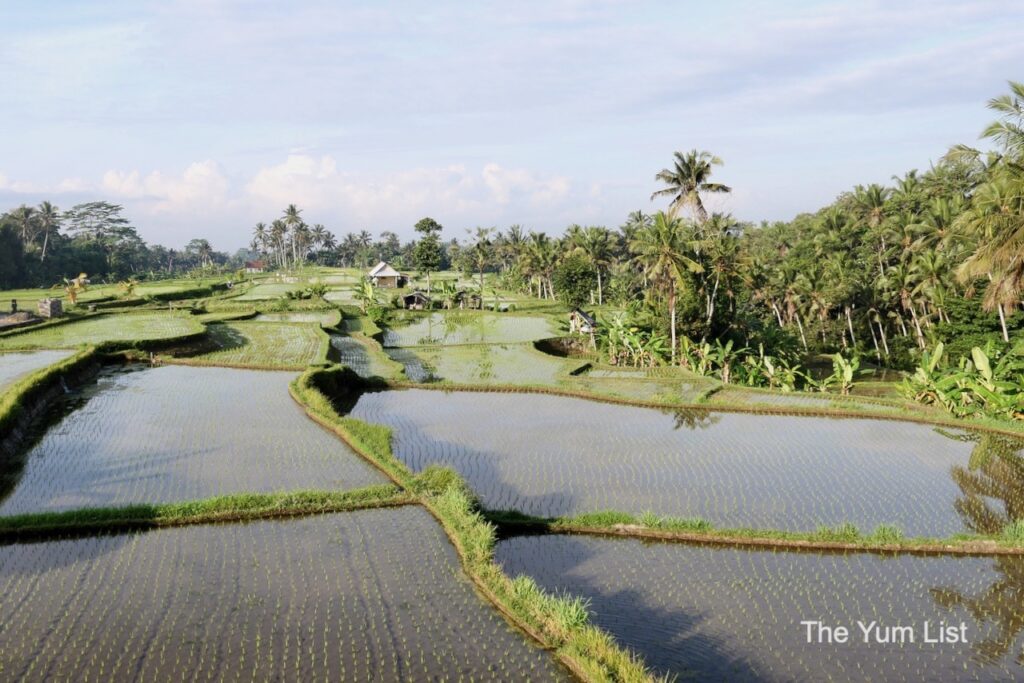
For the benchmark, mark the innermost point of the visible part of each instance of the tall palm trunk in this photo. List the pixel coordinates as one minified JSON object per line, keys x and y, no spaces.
{"x":849,"y":321}
{"x":600,"y":298}
{"x":803,"y":337}
{"x":917,"y":326}
{"x":874,"y":340}
{"x":672,"y":317}
{"x":1002,"y":322}
{"x":46,"y":239}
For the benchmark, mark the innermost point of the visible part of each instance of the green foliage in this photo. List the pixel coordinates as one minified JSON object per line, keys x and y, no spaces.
{"x":237,"y":507}
{"x":1014,"y":532}
{"x":575,"y":280}
{"x":844,"y":533}
{"x":886,"y":533}
{"x":988,"y":384}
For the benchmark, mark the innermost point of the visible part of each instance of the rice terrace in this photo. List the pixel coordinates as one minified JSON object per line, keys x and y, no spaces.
{"x":755,"y":422}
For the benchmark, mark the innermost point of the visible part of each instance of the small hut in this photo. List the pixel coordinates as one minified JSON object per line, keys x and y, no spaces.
{"x":416,"y":301}
{"x":255,"y":266}
{"x":383,"y":275}
{"x":581,"y":322}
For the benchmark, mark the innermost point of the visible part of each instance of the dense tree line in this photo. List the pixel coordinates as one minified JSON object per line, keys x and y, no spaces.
{"x":41,"y":246}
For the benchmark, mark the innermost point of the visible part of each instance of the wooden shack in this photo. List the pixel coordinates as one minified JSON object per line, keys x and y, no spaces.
{"x":416,"y":301}
{"x":383,"y":275}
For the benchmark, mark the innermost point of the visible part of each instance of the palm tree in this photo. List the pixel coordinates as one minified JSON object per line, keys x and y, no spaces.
{"x":1009,"y":132}
{"x":661,"y":252}
{"x":996,"y":221}
{"x":49,"y":219}
{"x":25,"y":217}
{"x":481,"y":251}
{"x":259,"y":237}
{"x":540,"y":261}
{"x":869,"y":203}
{"x":688,"y":177}
{"x":278,"y":233}
{"x":318,"y":233}
{"x":596,"y":243}
{"x":292,"y":220}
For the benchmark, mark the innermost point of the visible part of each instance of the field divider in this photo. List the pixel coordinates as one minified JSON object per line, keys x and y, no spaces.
{"x":557,"y":623}
{"x":240,"y":507}
{"x":842,"y":539}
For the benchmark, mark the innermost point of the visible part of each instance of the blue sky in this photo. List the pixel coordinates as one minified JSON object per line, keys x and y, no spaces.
{"x":203,"y":117}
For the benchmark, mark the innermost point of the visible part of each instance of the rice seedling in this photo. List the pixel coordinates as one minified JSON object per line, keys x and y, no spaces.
{"x":367,"y":595}
{"x":116,"y":327}
{"x":136,"y":439}
{"x":710,"y":613}
{"x":263,"y":345}
{"x":455,"y":327}
{"x":551,"y":456}
{"x":1014,"y":531}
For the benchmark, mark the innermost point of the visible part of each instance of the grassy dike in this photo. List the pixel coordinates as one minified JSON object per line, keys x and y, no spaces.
{"x":20,"y":399}
{"x":841,"y":538}
{"x":558,"y":623}
{"x":233,"y":508}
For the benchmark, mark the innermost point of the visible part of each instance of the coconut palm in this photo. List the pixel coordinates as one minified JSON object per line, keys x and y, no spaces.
{"x":1008,"y":132}
{"x":596,"y":243}
{"x":689,"y":176}
{"x":481,"y":254}
{"x":869,"y":203}
{"x":661,"y":251}
{"x":260,"y":237}
{"x":49,"y":219}
{"x":996,"y":221}
{"x":25,"y":216}
{"x":292,"y":220}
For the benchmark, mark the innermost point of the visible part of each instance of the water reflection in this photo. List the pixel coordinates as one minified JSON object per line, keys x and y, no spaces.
{"x":992,"y":484}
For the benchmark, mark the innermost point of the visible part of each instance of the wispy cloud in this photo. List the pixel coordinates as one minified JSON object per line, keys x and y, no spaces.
{"x":540,"y":112}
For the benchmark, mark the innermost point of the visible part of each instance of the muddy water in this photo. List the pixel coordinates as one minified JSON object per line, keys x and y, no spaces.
{"x":372,"y":595}
{"x":179,"y":433}
{"x":15,"y":365}
{"x":549,"y":456}
{"x":726,"y":614}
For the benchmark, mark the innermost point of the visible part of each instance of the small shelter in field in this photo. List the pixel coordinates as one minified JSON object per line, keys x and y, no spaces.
{"x":254,"y":266}
{"x":383,"y":275}
{"x":416,"y":301}
{"x":581,"y":322}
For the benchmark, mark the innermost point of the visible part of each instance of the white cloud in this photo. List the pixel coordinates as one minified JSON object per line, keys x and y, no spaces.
{"x":200,"y":187}
{"x":403,"y":196}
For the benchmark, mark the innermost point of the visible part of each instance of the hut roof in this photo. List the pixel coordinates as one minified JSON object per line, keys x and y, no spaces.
{"x":382,"y":269}
{"x":589,"y":319}
{"x":417,"y":295}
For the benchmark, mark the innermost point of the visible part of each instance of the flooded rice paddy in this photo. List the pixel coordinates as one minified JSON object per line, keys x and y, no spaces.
{"x":459,"y":327}
{"x":15,"y":365}
{"x":479,"y":364}
{"x":354,"y":354}
{"x":551,"y":456}
{"x":296,"y":317}
{"x":263,"y":344}
{"x":369,"y":595}
{"x":727,"y":614}
{"x":109,"y":327}
{"x":178,"y":433}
